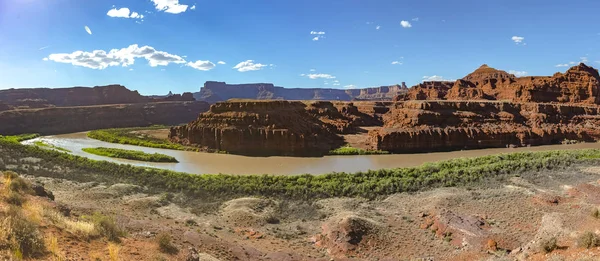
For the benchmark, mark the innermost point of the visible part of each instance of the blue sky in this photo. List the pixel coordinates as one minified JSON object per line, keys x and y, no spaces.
{"x":176,"y":45}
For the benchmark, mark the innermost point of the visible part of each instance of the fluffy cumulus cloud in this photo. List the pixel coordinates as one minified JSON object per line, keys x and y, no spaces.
{"x":378,"y":27}
{"x":100,"y":59}
{"x":221,"y":62}
{"x":351,"y":86}
{"x":397,"y":62}
{"x":518,"y":39}
{"x":315,"y":76}
{"x":336,"y":83}
{"x":170,"y":6}
{"x":249,"y":65}
{"x":193,"y":7}
{"x":315,"y":32}
{"x":124,"y":12}
{"x":562,"y":65}
{"x":405,"y":24}
{"x":87,"y":29}
{"x":201,"y":65}
{"x":436,"y":78}
{"x":518,"y":73}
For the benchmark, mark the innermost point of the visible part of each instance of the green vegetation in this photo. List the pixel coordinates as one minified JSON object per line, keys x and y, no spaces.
{"x":369,"y":184}
{"x":43,"y":144}
{"x":130,"y":154}
{"x":348,"y":150}
{"x":128,"y":136}
{"x":19,"y":138}
{"x":105,"y":226}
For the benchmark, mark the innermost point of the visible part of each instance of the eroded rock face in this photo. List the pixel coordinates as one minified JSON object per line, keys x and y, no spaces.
{"x":579,"y":84}
{"x":447,"y":125}
{"x":57,"y":120}
{"x":265,"y":128}
{"x":343,"y":235}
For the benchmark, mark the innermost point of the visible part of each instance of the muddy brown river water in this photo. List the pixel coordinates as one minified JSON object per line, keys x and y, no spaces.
{"x":211,"y":163}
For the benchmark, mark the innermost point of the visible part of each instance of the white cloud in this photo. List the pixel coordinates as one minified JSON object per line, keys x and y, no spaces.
{"x":583,"y":59}
{"x":316,"y":38}
{"x":372,"y":23}
{"x":319,"y":76}
{"x":336,"y":81}
{"x":405,"y":24}
{"x":193,"y":7}
{"x":123,"y":13}
{"x":170,"y":6}
{"x":378,"y":27}
{"x":87,"y":29}
{"x":318,"y":33}
{"x":518,"y":73}
{"x":42,"y":48}
{"x":221,"y":62}
{"x":249,"y":65}
{"x":336,"y":84}
{"x":201,"y":65}
{"x":397,"y":62}
{"x":130,"y":69}
{"x":100,"y":59}
{"x":562,"y":65}
{"x":435,"y":78}
{"x":416,"y":19}
{"x":312,"y":70}
{"x":351,"y":86}
{"x":517,"y":39}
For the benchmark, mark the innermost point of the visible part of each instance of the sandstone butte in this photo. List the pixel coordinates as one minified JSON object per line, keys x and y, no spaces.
{"x":65,"y":110}
{"x":487,"y":108}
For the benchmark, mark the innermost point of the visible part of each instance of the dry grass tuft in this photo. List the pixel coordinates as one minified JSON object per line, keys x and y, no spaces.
{"x":52,"y":243}
{"x":113,"y":251}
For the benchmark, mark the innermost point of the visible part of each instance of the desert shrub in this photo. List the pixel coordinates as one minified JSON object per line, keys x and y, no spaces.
{"x":596,"y":213}
{"x":588,"y":240}
{"x":548,"y":245}
{"x":25,"y":237}
{"x":19,"y":184}
{"x":9,"y":175}
{"x":165,"y":245}
{"x":165,"y":198}
{"x":14,"y":198}
{"x":106,"y":226}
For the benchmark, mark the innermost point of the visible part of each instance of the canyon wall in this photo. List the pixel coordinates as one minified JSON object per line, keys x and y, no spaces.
{"x":79,"y":96}
{"x":58,"y":120}
{"x":418,"y":126}
{"x":291,"y":128}
{"x":220,"y":91}
{"x":579,"y":84}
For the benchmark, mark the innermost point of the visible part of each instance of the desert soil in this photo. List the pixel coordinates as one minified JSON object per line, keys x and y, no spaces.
{"x":504,"y":219}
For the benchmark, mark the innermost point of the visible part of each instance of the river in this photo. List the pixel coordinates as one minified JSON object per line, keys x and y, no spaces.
{"x":212,"y":163}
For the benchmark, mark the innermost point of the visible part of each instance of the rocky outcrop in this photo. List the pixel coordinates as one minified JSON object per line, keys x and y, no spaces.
{"x":262,"y":128}
{"x":428,"y":90}
{"x":220,"y":91}
{"x":579,"y":84}
{"x":450,"y":125}
{"x":57,"y":120}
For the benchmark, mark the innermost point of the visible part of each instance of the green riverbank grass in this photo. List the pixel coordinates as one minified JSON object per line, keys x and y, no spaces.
{"x":19,"y":138}
{"x":130,"y":154}
{"x":348,"y":150}
{"x":127,"y":136}
{"x":369,"y":184}
{"x":43,"y":144}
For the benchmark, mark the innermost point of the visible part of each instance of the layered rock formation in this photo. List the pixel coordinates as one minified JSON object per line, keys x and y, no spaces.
{"x":79,"y":96}
{"x":220,"y":91}
{"x":57,"y":120}
{"x":266,"y":128}
{"x":579,"y":84}
{"x":449,"y":125}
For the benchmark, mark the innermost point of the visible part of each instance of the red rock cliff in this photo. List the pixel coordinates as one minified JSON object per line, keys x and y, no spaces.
{"x":264,"y":128}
